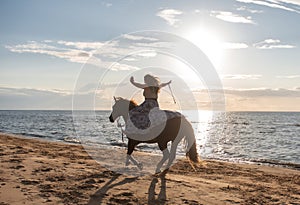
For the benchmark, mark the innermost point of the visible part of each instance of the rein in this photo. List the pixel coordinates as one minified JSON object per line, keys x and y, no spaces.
{"x":172,"y":93}
{"x":131,"y":106}
{"x":119,"y":123}
{"x":120,"y":126}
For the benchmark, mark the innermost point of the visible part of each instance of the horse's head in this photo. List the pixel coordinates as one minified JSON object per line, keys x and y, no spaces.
{"x":121,"y":108}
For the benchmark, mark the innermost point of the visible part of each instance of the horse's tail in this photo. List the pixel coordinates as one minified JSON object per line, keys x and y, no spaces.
{"x":190,"y":138}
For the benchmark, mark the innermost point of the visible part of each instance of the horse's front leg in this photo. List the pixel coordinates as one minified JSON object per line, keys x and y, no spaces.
{"x":166,"y":155}
{"x":130,"y":148}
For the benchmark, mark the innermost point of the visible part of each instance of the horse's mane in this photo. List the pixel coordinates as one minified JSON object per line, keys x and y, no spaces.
{"x":132,"y":103}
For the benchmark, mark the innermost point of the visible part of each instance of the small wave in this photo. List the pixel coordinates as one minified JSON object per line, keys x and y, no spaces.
{"x":273,"y":130}
{"x":33,"y":135}
{"x":71,"y":140}
{"x":240,"y":123}
{"x":277,"y":163}
{"x":118,"y":144}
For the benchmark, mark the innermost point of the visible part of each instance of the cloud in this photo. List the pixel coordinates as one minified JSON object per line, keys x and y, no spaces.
{"x":257,"y":92}
{"x":263,"y":99}
{"x":228,"y":45}
{"x":264,"y":92}
{"x":288,"y":76}
{"x":257,"y":99}
{"x":70,"y":54}
{"x":29,"y":98}
{"x":237,"y":99}
{"x":295,"y":2}
{"x":32,"y":98}
{"x":138,"y":38}
{"x":231,"y":17}
{"x":170,"y":15}
{"x":103,"y":53}
{"x":271,"y":44}
{"x":253,"y":11}
{"x":118,"y":67}
{"x":92,"y":87}
{"x":82,"y":45}
{"x":241,"y":77}
{"x":288,"y":5}
{"x":82,"y":52}
{"x":106,"y":4}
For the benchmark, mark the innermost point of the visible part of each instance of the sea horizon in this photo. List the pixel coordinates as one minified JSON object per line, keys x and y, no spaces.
{"x":275,"y":111}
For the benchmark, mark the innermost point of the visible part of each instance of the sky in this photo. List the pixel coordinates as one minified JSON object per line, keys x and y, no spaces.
{"x":50,"y":50}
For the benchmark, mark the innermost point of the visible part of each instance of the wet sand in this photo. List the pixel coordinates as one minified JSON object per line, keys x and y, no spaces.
{"x":42,"y":172}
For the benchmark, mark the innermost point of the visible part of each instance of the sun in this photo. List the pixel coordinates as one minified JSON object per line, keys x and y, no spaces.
{"x":209,"y":43}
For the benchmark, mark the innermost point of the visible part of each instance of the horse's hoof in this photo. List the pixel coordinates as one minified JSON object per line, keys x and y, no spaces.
{"x":164,"y":172}
{"x":140,"y":166}
{"x":157,"y":173}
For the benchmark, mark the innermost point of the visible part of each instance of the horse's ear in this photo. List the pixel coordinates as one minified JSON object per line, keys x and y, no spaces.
{"x":115,"y":99}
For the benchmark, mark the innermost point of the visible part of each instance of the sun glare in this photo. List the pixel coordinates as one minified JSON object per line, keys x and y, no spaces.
{"x":209,"y":43}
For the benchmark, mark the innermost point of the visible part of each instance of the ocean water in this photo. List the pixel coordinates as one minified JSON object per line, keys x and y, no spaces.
{"x":260,"y":137}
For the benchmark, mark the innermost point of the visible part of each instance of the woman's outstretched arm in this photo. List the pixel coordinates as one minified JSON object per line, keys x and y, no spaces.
{"x":164,"y":84}
{"x":139,"y":85}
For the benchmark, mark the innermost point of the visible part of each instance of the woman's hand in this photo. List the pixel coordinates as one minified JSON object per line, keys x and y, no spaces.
{"x":164,"y":84}
{"x":131,"y":79}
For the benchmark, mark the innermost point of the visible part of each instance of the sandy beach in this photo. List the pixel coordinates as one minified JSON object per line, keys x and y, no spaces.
{"x":42,"y":172}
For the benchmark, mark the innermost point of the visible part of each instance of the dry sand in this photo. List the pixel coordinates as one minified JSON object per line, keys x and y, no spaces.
{"x":40,"y":172}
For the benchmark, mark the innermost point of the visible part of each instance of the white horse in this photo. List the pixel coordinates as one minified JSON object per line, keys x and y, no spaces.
{"x":175,"y":130}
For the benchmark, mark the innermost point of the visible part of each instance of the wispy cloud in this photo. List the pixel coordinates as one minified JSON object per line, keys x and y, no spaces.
{"x":170,"y":15}
{"x":272,"y":44}
{"x":48,"y":48}
{"x":253,"y":11}
{"x":30,"y":98}
{"x":254,"y":99}
{"x":107,"y":4}
{"x":288,"y":76}
{"x":138,"y":38}
{"x":288,"y":5}
{"x":82,"y":45}
{"x":103,"y":54}
{"x":257,"y":92}
{"x":263,"y":99}
{"x":231,"y":17}
{"x":240,"y":77}
{"x":264,"y":92}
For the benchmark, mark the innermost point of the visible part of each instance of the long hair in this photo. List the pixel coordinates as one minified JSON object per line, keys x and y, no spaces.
{"x":154,"y":89}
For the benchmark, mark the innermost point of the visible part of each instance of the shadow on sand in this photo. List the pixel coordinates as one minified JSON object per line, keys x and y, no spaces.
{"x":126,"y":197}
{"x":162,"y":196}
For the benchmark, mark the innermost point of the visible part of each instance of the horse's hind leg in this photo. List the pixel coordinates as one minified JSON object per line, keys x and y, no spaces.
{"x":174,"y":146}
{"x":166,"y":155}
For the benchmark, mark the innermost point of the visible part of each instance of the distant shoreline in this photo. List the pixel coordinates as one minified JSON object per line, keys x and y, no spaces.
{"x":235,"y":111}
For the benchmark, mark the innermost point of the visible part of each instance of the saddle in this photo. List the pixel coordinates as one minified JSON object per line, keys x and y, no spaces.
{"x":142,"y":123}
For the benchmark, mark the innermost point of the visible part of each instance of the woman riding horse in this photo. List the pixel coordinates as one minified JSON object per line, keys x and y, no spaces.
{"x":175,"y":130}
{"x":151,"y":86}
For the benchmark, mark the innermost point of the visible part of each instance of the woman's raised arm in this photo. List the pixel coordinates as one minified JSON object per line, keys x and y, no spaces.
{"x":139,"y":85}
{"x":164,"y":84}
